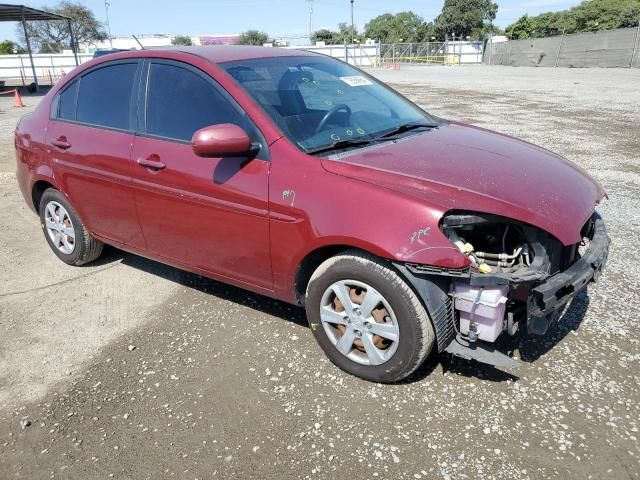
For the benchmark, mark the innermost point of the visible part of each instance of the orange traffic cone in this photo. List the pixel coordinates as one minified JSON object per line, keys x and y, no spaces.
{"x":18,"y":98}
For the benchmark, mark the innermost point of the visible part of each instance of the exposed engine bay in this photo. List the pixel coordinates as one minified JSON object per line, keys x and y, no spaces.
{"x":518,"y":281}
{"x":495,"y":245}
{"x":492,"y":247}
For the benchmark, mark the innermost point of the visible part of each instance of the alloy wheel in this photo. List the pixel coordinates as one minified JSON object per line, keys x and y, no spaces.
{"x":359,"y":322}
{"x":60,"y":227}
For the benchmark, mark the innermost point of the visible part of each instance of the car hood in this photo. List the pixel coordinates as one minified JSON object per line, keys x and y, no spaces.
{"x":461,"y":167}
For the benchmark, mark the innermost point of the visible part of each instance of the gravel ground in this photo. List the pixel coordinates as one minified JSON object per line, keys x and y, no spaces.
{"x":144,"y":371}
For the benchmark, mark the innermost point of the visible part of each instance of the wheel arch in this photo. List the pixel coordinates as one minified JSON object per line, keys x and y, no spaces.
{"x":37,"y":190}
{"x":314,"y":258}
{"x":432,"y":291}
{"x":310,"y":262}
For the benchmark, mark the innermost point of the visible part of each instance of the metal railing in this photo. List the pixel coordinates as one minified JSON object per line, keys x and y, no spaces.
{"x":16,"y":69}
{"x":387,"y":54}
{"x":442,"y":53}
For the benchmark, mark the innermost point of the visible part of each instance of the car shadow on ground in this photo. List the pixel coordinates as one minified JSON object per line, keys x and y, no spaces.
{"x":215,"y":288}
{"x":531,"y":348}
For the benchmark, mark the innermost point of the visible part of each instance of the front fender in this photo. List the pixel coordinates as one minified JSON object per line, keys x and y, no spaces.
{"x":312,"y":208}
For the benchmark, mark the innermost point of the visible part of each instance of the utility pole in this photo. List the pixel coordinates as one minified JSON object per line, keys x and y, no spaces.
{"x":635,"y":45}
{"x":353,"y":29}
{"x":559,"y":48}
{"x":310,"y":2}
{"x":106,"y":11}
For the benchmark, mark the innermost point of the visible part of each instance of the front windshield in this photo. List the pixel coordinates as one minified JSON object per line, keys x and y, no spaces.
{"x":318,"y":102}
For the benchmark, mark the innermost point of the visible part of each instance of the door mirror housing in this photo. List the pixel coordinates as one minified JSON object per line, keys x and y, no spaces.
{"x":223,"y":140}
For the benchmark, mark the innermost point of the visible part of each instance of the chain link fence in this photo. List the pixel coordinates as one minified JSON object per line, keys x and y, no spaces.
{"x":606,"y":48}
{"x":394,"y":54}
{"x":443,"y":53}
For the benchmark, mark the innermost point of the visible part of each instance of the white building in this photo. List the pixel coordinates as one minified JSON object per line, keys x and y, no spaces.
{"x":155,"y":40}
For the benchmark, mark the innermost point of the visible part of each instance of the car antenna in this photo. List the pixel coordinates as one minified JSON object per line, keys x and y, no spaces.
{"x":136,"y":39}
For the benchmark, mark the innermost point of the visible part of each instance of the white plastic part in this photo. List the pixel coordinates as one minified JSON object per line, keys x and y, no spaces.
{"x":484,"y":306}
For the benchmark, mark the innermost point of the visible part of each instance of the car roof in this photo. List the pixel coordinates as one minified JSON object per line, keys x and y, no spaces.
{"x":227,"y":53}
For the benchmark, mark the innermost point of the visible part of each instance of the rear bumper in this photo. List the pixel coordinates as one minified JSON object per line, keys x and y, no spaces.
{"x":560,"y":288}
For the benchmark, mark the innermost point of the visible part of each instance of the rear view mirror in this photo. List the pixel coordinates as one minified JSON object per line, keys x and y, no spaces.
{"x":223,"y":140}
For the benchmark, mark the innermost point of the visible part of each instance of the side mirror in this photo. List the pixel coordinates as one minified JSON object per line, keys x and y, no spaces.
{"x":223,"y":140}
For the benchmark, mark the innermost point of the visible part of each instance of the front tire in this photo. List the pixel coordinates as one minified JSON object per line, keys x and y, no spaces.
{"x":64,"y":232}
{"x":366,"y":318}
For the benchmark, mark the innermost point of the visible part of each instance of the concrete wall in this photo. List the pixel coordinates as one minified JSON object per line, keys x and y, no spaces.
{"x":607,"y":48}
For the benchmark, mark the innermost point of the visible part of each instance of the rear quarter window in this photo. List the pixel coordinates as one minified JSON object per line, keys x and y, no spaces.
{"x":66,"y":103}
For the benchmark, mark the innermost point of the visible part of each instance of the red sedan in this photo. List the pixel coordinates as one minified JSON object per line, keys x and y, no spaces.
{"x":302,"y":178}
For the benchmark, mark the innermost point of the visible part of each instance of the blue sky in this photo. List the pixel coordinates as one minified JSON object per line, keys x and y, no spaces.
{"x":277,"y":17}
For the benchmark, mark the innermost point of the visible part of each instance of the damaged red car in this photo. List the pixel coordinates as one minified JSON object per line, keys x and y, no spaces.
{"x":300,"y":177}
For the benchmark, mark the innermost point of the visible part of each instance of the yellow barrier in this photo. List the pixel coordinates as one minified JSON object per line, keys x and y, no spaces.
{"x":441,"y":59}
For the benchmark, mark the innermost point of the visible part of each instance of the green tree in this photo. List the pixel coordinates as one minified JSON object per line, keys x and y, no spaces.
{"x":325,"y":35}
{"x":182,"y":40}
{"x":427,"y":32}
{"x":402,"y":27}
{"x":630,"y":16}
{"x":466,"y":18}
{"x":51,"y":36}
{"x":345,"y":34}
{"x":7,"y":47}
{"x":529,"y":27}
{"x":589,"y":15}
{"x":253,"y":37}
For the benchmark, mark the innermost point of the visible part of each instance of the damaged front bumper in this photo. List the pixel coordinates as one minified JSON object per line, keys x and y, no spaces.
{"x":558,"y":289}
{"x":538,"y":296}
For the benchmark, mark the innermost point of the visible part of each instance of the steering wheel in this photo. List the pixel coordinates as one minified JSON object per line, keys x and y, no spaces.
{"x":331,"y":113}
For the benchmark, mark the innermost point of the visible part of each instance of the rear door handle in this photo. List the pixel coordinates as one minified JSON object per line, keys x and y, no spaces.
{"x":152,"y":164}
{"x":61,"y":143}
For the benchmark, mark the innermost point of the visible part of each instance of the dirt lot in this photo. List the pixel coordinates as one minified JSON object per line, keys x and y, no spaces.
{"x":224,"y":383}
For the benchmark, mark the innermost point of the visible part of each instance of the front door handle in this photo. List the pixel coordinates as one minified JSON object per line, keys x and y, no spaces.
{"x":152,"y":164}
{"x":61,"y":142}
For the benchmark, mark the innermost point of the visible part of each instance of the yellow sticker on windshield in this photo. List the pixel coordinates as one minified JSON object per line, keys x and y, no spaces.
{"x":356,"y":81}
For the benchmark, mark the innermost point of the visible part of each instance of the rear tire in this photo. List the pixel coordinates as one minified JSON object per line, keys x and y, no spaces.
{"x":64,"y":231}
{"x":391,"y":331}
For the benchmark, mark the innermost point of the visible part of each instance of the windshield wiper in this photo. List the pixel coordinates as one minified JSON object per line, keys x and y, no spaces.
{"x":384,"y":136}
{"x":349,"y":142}
{"x":406,"y":128}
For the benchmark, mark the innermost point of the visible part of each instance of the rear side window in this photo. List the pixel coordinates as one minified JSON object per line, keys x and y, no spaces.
{"x":180,"y":102}
{"x":104,"y":97}
{"x":67,"y":102}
